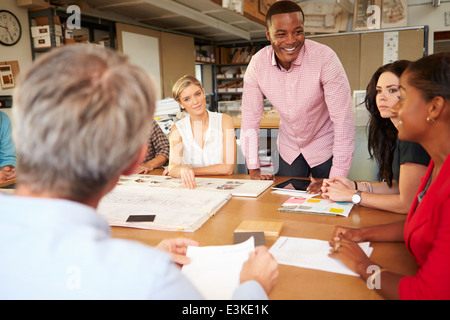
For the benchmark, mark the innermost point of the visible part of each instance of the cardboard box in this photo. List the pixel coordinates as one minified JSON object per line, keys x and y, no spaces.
{"x":31,"y":3}
{"x":43,"y":31}
{"x":45,"y":42}
{"x":40,"y":31}
{"x":42,"y":42}
{"x":43,"y":20}
{"x":68,"y":33}
{"x":69,"y":41}
{"x":58,"y":30}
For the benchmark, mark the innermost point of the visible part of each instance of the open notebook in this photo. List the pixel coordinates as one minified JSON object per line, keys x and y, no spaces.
{"x":139,"y":206}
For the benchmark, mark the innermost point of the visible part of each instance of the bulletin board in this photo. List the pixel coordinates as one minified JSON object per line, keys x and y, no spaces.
{"x":362,"y":53}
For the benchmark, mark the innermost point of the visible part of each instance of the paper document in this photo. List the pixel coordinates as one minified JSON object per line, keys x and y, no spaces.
{"x":296,"y":193}
{"x":311,"y":254}
{"x":237,"y":187}
{"x":215,"y":270}
{"x":169,"y":209}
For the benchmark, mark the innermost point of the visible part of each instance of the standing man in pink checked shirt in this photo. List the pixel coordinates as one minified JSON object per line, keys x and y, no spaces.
{"x":306,"y":83}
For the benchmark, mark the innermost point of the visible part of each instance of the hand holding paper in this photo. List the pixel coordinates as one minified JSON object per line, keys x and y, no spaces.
{"x":177,"y":247}
{"x":261,"y":267}
{"x":217,"y":271}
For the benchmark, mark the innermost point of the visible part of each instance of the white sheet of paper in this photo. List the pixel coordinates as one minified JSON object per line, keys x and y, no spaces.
{"x":215,"y":270}
{"x":296,"y":193}
{"x":311,"y":254}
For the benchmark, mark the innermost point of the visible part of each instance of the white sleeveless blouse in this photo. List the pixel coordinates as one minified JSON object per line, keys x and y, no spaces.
{"x":212,"y":151}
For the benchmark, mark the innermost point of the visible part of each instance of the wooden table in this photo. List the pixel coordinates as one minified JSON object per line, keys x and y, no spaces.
{"x":269,"y":120}
{"x":7,"y":183}
{"x":293,"y":282}
{"x":266,"y":123}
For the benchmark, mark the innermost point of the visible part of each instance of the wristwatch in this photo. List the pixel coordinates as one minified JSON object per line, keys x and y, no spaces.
{"x":356,"y":198}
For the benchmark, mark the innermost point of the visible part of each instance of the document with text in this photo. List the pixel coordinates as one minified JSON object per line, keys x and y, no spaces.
{"x":215,"y":270}
{"x":311,"y":254}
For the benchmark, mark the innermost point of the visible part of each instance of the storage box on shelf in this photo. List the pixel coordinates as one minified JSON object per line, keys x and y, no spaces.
{"x":45,"y":29}
{"x":204,"y":53}
{"x":235,"y":55}
{"x":231,"y":63}
{"x":48,"y":30}
{"x":232,"y":108}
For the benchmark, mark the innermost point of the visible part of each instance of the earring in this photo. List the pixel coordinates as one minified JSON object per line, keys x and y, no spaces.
{"x":429,"y":120}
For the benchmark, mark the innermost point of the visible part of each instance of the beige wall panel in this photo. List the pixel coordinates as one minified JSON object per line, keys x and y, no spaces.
{"x":347,"y":48}
{"x":178,"y":59}
{"x":411,"y":44}
{"x":371,"y":56}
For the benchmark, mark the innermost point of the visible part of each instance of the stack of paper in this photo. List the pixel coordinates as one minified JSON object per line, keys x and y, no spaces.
{"x":215,"y":270}
{"x":311,"y":254}
{"x":166,"y":108}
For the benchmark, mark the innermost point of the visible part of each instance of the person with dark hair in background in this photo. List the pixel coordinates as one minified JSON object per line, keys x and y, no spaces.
{"x":157,"y":150}
{"x":424,"y":117}
{"x":401,"y":163}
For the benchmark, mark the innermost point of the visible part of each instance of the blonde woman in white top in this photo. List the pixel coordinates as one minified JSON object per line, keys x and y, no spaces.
{"x":202,"y":143}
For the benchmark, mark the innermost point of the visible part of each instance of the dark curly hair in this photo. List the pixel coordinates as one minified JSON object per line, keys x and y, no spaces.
{"x":280,"y":7}
{"x":382,"y":134}
{"x":431,"y":75}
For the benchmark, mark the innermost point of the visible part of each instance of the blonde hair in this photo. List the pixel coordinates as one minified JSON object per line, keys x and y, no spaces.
{"x":81,"y":116}
{"x":182,"y":83}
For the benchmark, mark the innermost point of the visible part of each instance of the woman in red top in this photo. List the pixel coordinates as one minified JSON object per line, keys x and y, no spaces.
{"x":424,"y":113}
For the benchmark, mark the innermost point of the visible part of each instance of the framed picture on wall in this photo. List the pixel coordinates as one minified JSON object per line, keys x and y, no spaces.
{"x":367,"y":15}
{"x":264,"y":5}
{"x":9,"y":70}
{"x":394,"y":13}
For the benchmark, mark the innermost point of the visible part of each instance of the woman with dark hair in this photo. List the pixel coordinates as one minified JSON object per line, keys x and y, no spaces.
{"x":401,"y":163}
{"x":424,"y":117}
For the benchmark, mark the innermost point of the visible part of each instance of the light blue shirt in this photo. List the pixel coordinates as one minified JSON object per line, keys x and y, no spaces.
{"x":60,"y":249}
{"x":7,"y":149}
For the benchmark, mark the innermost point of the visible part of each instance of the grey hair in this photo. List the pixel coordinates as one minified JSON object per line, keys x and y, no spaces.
{"x":82,"y":114}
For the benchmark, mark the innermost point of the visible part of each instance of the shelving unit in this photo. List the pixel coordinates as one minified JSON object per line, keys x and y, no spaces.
{"x":205,"y":62}
{"x":92,"y":24}
{"x":231,"y":63}
{"x":50,"y":13}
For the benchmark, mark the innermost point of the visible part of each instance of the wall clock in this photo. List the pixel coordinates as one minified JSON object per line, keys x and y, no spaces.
{"x":10,"y":28}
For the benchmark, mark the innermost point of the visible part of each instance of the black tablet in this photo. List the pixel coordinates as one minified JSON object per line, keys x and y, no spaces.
{"x":293,"y":184}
